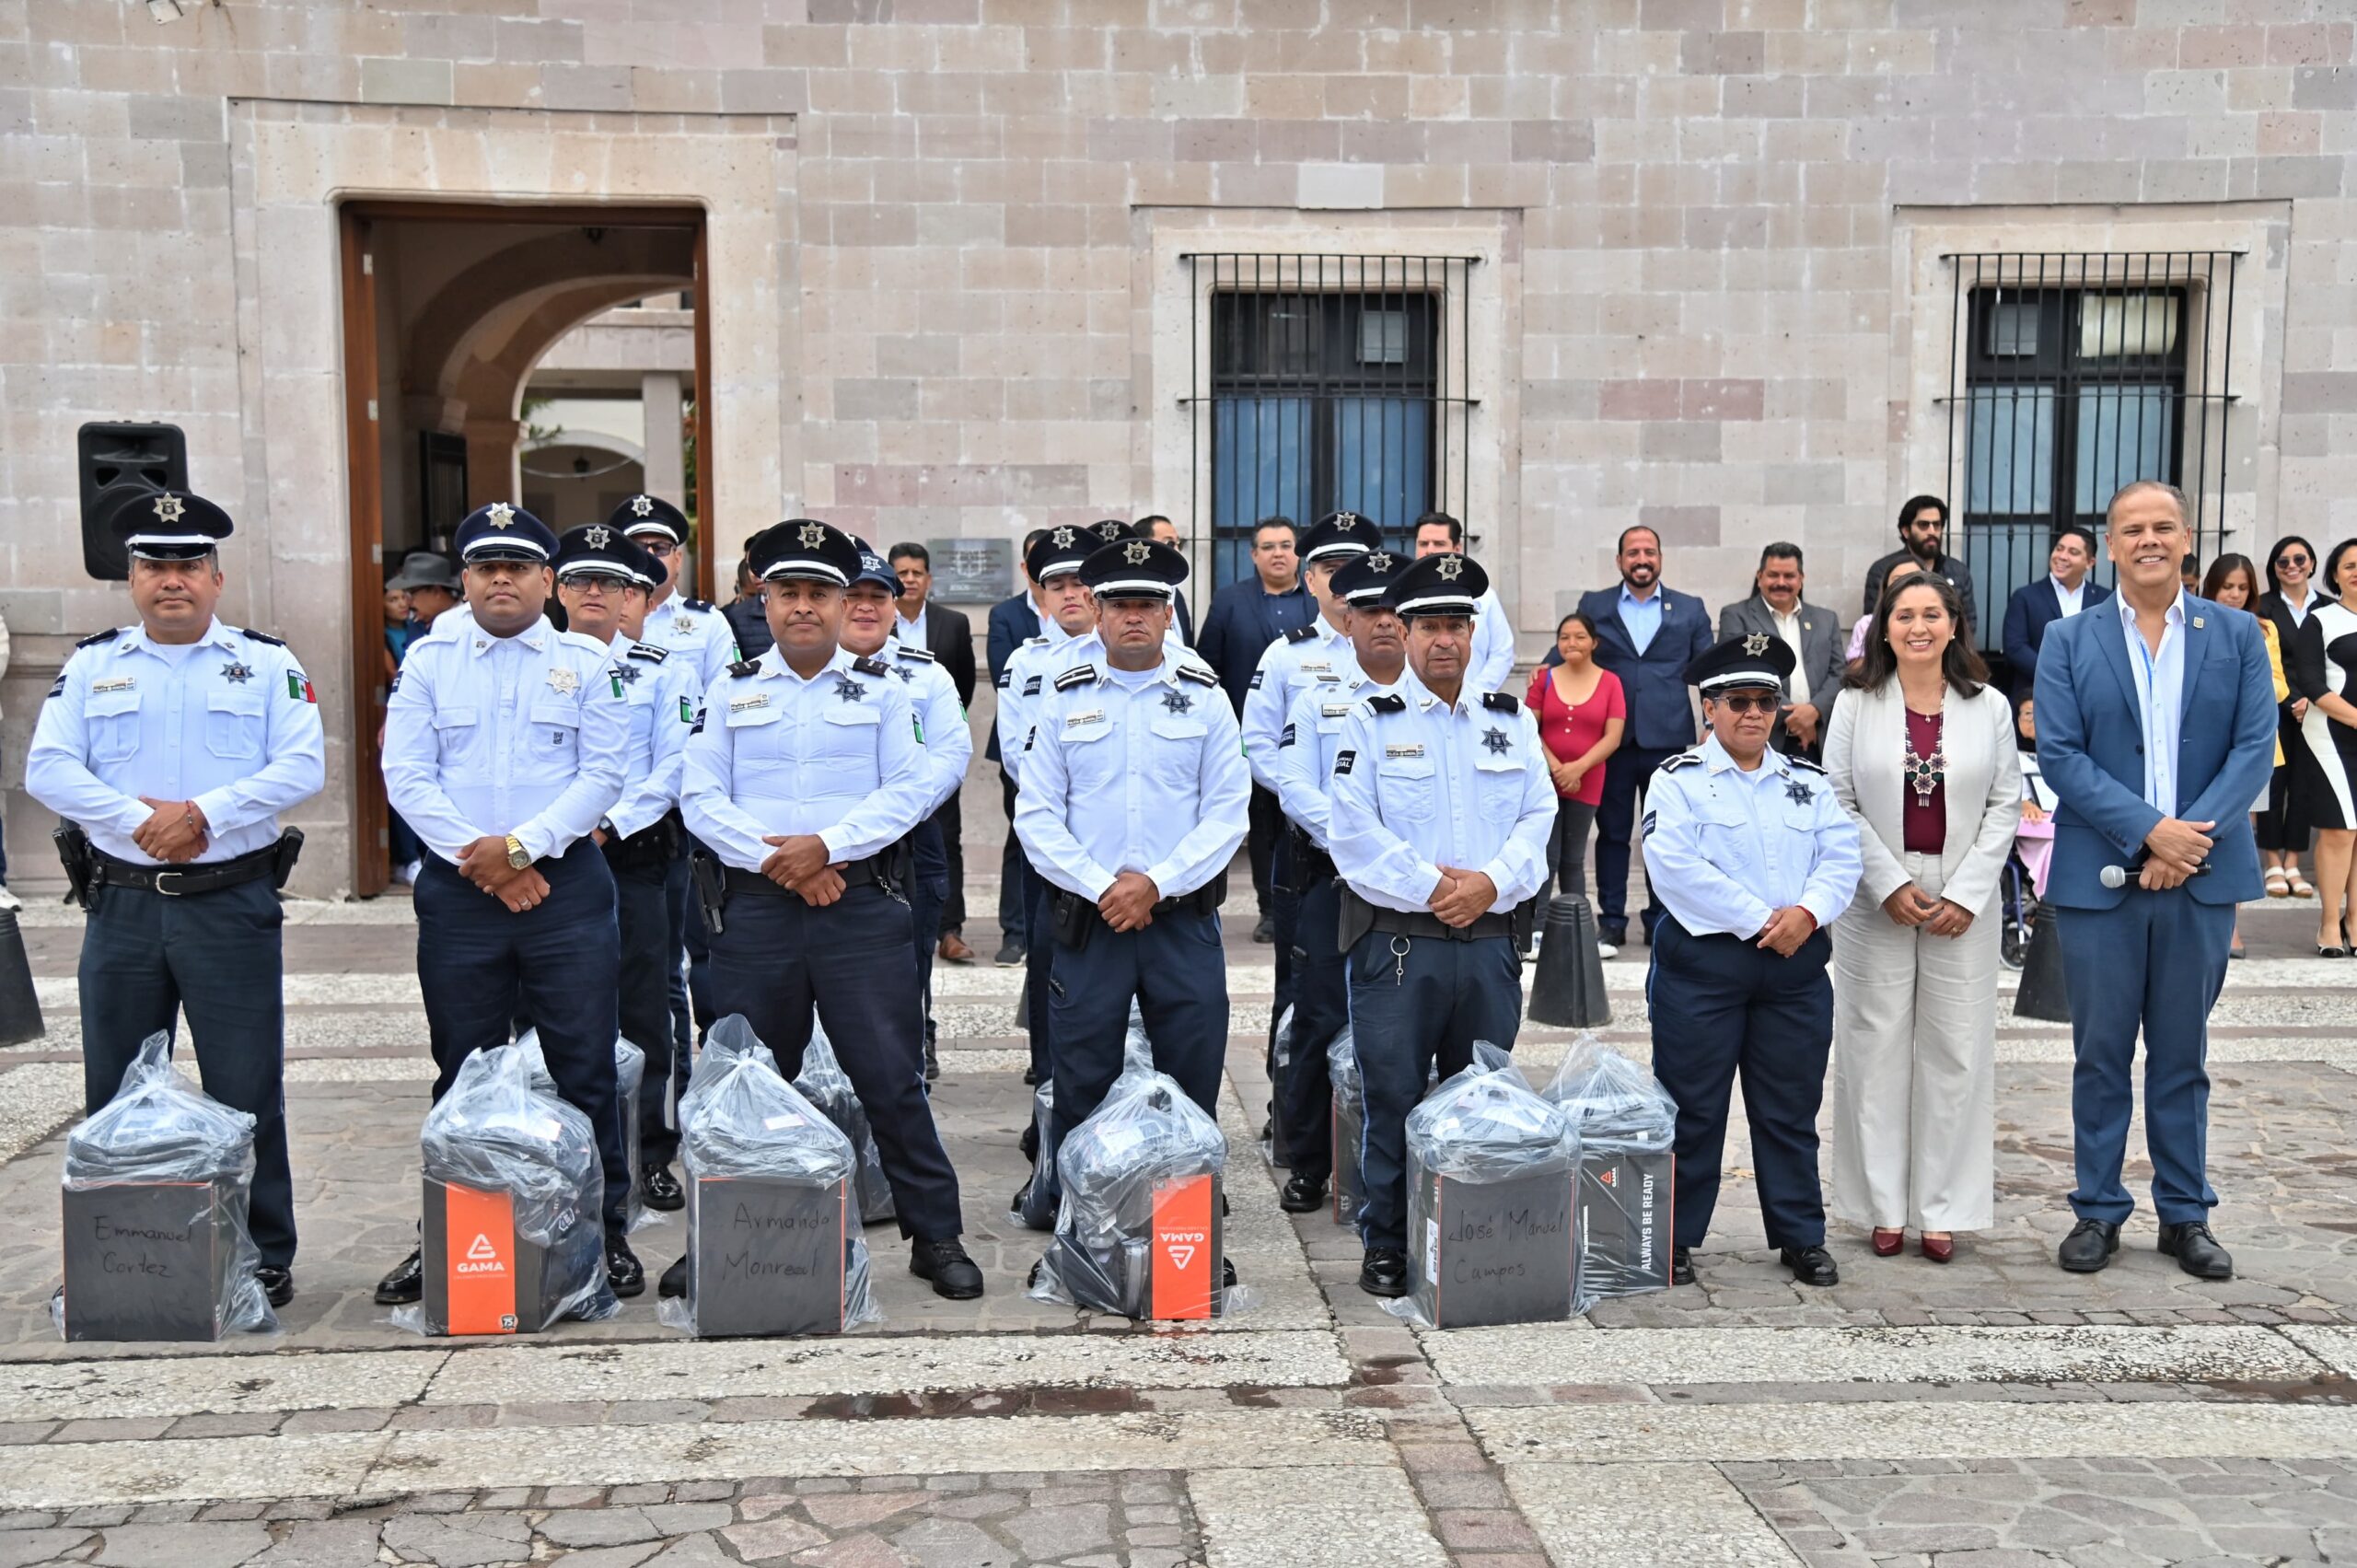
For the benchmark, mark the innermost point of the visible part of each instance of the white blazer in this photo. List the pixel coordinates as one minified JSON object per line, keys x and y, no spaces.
{"x":1865,"y":753}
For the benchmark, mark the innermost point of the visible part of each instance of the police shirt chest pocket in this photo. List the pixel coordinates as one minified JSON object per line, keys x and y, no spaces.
{"x":458,"y":737}
{"x":1407,"y":789}
{"x":233,"y":724}
{"x":1178,"y":751}
{"x":848,"y":741}
{"x":1727,"y":834}
{"x":1089,"y":762}
{"x":112,"y":719}
{"x":1499,"y":781}
{"x":556,"y":730}
{"x":755,"y":736}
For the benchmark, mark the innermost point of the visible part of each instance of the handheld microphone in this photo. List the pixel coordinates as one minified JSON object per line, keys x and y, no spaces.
{"x":2120,"y":876}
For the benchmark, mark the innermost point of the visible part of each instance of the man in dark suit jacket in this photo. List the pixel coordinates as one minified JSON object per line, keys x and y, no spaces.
{"x":1015,"y":620}
{"x":2064,"y":592}
{"x":1162,"y":530}
{"x":948,"y":636}
{"x":2156,"y":726}
{"x":1246,"y":617}
{"x":1923,"y":524}
{"x":1645,"y":634}
{"x":1777,"y":609}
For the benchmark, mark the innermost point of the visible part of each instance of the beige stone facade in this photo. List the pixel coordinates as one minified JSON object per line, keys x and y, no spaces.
{"x":1714,"y":286}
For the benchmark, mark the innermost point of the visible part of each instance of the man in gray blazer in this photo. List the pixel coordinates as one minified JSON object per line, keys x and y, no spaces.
{"x":1816,"y":635}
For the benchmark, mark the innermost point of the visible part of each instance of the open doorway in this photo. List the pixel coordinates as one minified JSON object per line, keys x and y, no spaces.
{"x":464,"y":324}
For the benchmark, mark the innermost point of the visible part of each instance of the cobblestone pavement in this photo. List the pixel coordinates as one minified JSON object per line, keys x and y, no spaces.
{"x":1995,"y":1413}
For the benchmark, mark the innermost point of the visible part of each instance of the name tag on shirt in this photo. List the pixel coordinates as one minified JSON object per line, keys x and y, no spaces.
{"x":113,"y":684}
{"x":1395,"y":753}
{"x":1334,"y":710}
{"x":745,"y":705}
{"x":1082,"y":720}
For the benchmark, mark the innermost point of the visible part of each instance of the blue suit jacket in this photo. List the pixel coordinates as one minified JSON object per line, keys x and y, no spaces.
{"x":2091,"y":749}
{"x":1661,"y":715}
{"x":2028,"y":613}
{"x":1015,"y":620}
{"x":1244,"y":619}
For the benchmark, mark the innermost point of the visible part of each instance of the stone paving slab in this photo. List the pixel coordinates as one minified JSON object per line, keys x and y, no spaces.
{"x":1313,"y":1518}
{"x":1645,"y":1515}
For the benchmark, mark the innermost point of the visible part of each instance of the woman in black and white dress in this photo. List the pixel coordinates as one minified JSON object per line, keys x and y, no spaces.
{"x":2322,"y":668}
{"x":2283,"y":834}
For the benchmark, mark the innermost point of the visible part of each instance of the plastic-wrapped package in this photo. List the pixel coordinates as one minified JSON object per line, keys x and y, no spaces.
{"x":1349,"y":1124}
{"x":775,"y":1242}
{"x":824,"y":1084}
{"x":1138,"y":1231}
{"x":1627,"y":1128}
{"x":156,"y":1193}
{"x":1137,"y":1051}
{"x":514,"y":1241}
{"x":1280,"y":1048}
{"x":1035,"y":1205}
{"x":1491,"y":1172}
{"x":629,"y":1074}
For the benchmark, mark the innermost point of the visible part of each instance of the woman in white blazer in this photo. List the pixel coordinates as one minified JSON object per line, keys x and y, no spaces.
{"x":1922,"y":753}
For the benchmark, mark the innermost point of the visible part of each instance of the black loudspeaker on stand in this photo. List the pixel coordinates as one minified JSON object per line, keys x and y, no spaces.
{"x":20,"y":1006}
{"x":1567,"y":991}
{"x":2041,"y":993}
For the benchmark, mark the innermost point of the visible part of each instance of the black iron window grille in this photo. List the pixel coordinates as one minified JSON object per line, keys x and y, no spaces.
{"x":2071,"y":376}
{"x":1325,"y":383}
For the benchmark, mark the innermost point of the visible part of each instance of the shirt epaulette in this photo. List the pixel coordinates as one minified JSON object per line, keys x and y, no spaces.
{"x":257,"y":636}
{"x":743,"y":669}
{"x":95,"y":638}
{"x":1805,"y":764}
{"x":648,"y":652}
{"x":1078,"y":674}
{"x":695,"y":604}
{"x":1683,"y":759}
{"x":923,"y":656}
{"x":1387,"y":702}
{"x":866,"y":666}
{"x":1501,"y":701}
{"x":1301,"y":634}
{"x":1199,"y":674}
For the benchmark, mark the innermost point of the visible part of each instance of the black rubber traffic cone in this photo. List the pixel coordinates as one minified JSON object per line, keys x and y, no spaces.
{"x":2042,"y":994}
{"x":1567,"y":991}
{"x":20,"y":1003}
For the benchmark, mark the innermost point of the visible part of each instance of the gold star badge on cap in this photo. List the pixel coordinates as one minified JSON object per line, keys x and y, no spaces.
{"x":642,"y":507}
{"x":1108,"y":530}
{"x":597,"y":536}
{"x":1451,"y":568}
{"x":1062,"y":539}
{"x":1756,"y":645}
{"x":1137,"y":552}
{"x":1378,"y":559}
{"x":811,"y":536}
{"x":170,"y":507}
{"x":500,"y":514}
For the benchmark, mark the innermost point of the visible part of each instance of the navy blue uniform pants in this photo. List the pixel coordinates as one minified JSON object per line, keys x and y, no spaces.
{"x":775,"y":958}
{"x":1417,"y":1004}
{"x":1177,"y":972}
{"x":649,"y":962}
{"x":481,"y":965}
{"x":928,"y":891}
{"x":2152,"y":966}
{"x":1039,"y":956}
{"x":1321,"y":1008}
{"x":1724,"y":1006}
{"x":1014,"y":918}
{"x":147,"y":957}
{"x":1626,"y":772}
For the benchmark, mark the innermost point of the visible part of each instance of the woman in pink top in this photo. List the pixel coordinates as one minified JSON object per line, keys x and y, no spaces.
{"x":1581,"y":712}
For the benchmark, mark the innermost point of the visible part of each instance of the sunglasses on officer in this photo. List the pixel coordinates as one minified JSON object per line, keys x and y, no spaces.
{"x":1749,"y":701}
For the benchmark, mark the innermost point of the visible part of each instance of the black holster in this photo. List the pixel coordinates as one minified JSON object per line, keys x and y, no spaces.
{"x":1356,"y":919}
{"x":80,"y":861}
{"x":287,"y":850}
{"x":712,"y":897}
{"x":1072,"y":919}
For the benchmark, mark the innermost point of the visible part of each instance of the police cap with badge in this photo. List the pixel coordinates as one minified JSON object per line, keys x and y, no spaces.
{"x":1339,"y":534}
{"x":1758,"y":660}
{"x":600,"y":549}
{"x":1134,"y":568}
{"x":874,"y":568}
{"x":1063,"y":548}
{"x":502,"y":532}
{"x":1446,"y":584}
{"x":650,"y":513}
{"x":171,"y":525}
{"x":1364,"y":580}
{"x":804,"y":550}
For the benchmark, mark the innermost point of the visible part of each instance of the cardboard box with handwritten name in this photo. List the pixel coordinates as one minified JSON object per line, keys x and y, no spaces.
{"x":149,"y":1260}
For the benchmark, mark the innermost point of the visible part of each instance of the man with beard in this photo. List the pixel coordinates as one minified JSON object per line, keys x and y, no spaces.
{"x":1922,"y":525}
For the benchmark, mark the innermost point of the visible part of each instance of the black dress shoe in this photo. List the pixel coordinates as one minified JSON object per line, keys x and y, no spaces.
{"x":277,"y":1283}
{"x":1015,"y":1207}
{"x":661,"y":1188}
{"x":1010,"y":956}
{"x":1681,"y":1265}
{"x":622,"y":1270}
{"x":1384,"y":1271}
{"x":1030,"y":1077}
{"x":405,"y":1284}
{"x":1615,"y":931}
{"x":954,"y":1275}
{"x":1029,"y":1143}
{"x":2089,"y":1247}
{"x":674,"y":1282}
{"x":1302,"y":1195}
{"x":1811,"y":1265}
{"x":1264,"y":930}
{"x":1227,"y":1273}
{"x":2195,"y":1251}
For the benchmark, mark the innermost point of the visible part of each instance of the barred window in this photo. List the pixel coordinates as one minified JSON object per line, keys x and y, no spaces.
{"x":1325,"y":383}
{"x":2073,"y":375}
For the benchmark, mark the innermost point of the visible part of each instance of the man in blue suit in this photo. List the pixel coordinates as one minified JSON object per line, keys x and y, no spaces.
{"x":2065,"y":591}
{"x":2156,"y":800}
{"x":1646,"y":635}
{"x":1015,"y":620}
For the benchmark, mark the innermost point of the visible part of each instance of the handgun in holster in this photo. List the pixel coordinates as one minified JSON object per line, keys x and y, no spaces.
{"x":80,"y":862}
{"x":703,"y":875}
{"x":289,"y":849}
{"x":1072,"y":918}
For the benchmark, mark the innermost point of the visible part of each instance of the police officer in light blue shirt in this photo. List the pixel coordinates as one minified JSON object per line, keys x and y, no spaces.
{"x":174,"y":745}
{"x":1752,"y":857}
{"x":1306,"y":749}
{"x":804,"y":776}
{"x":1134,"y":797}
{"x":692,"y":627}
{"x":1440,"y":806}
{"x":505,"y":745}
{"x":603,"y":581}
{"x":871,"y":612}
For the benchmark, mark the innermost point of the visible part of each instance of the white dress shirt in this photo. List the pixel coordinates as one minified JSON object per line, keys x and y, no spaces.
{"x":910,"y":629}
{"x":1788,"y":627}
{"x":525,"y":735}
{"x":1289,"y":665}
{"x":941,"y":718}
{"x":1306,"y":750}
{"x":229,"y":722}
{"x":664,"y":693}
{"x":1022,"y":681}
{"x":1492,"y":658}
{"x":1433,"y":784}
{"x":691,"y":626}
{"x":1726,"y":849}
{"x":1133,"y":773}
{"x":2159,"y":679}
{"x":2072,"y":601}
{"x":774,"y":754}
